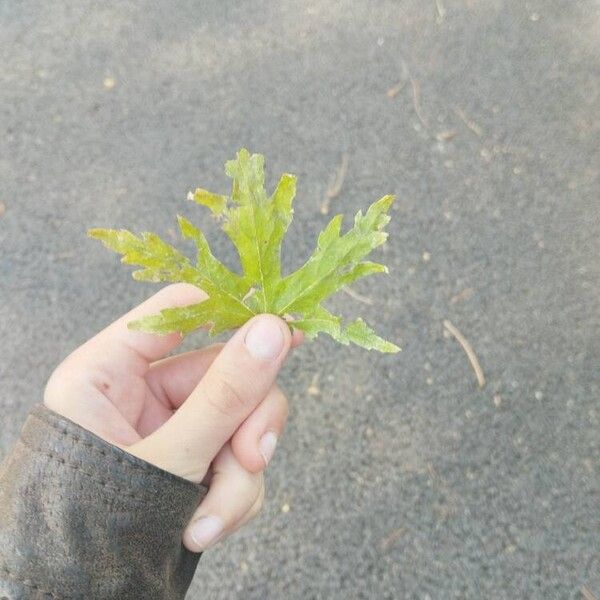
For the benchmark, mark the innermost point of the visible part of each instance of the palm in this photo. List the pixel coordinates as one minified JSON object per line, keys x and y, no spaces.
{"x":118,"y":386}
{"x":130,"y":407}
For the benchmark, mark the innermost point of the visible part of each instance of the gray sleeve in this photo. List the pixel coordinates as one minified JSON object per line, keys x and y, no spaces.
{"x":80,"y":518}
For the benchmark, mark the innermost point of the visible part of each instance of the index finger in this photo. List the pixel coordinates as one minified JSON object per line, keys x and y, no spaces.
{"x":118,"y":343}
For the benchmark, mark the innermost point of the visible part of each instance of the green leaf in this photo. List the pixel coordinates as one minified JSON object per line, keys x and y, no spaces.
{"x":214,"y":313}
{"x":256,"y":224}
{"x":320,"y":320}
{"x":160,"y":261}
{"x":212,"y":275}
{"x":215,"y":202}
{"x":357,"y":332}
{"x":337,"y":260}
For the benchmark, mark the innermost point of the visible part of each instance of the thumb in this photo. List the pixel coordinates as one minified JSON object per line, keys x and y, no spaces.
{"x":235,"y":383}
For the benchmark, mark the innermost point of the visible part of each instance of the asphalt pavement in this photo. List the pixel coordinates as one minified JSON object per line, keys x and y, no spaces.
{"x":398,"y":477}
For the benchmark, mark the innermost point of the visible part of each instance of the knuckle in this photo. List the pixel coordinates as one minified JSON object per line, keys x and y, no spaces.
{"x":226,"y":398}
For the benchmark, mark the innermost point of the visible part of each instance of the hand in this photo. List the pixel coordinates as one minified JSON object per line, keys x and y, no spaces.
{"x":211,"y":415}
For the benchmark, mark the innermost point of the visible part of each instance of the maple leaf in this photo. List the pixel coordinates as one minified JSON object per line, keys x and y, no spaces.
{"x":256,"y":224}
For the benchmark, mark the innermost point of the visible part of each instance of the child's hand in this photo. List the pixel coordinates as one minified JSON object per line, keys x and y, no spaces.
{"x":210,"y":415}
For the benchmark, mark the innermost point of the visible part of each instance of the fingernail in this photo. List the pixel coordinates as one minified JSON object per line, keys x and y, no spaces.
{"x":265,"y":338}
{"x":267,"y":445}
{"x":206,"y":530}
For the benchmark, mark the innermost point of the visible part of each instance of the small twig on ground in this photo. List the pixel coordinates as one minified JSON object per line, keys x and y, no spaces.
{"x":587,"y":593}
{"x":335,"y":187}
{"x":416,"y":89}
{"x":2,"y":208}
{"x":444,"y":136}
{"x":354,"y":294}
{"x":396,"y":89}
{"x":416,"y":93}
{"x":470,"y":124}
{"x":313,"y":389}
{"x":392,"y":537}
{"x":441,"y":11}
{"x":460,"y":338}
{"x":463,"y":295}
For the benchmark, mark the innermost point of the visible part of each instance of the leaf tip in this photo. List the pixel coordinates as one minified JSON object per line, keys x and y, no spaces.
{"x":184,"y":225}
{"x":96,"y":233}
{"x":135,"y":325}
{"x":388,"y":200}
{"x":391,"y":348}
{"x":215,"y":202}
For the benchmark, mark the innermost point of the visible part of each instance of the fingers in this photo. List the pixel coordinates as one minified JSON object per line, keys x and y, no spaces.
{"x":254,"y":442}
{"x":234,"y":497}
{"x":174,"y":378}
{"x":131,"y":350}
{"x":235,"y":383}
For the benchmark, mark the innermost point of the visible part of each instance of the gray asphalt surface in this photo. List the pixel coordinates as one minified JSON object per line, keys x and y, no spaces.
{"x":398,"y":478}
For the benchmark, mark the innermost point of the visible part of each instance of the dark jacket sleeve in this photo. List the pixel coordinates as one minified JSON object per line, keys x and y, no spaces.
{"x":80,"y":518}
